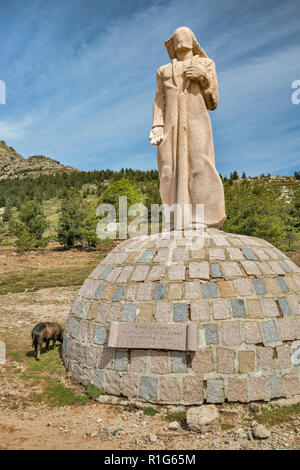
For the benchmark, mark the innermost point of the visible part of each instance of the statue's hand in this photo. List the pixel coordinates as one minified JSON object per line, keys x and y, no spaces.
{"x":195,"y":72}
{"x":156,"y":135}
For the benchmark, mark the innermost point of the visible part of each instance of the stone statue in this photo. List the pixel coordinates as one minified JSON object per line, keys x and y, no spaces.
{"x":186,"y":88}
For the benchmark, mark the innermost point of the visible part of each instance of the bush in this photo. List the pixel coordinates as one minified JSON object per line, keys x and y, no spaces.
{"x":255,"y":209}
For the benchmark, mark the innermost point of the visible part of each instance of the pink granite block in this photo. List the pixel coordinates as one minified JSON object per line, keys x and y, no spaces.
{"x":225,"y":360}
{"x":159,"y":362}
{"x":243,"y":286}
{"x":269,"y":307}
{"x":175,"y":291}
{"x":235,"y":241}
{"x":251,"y":268}
{"x":180,"y":254}
{"x":231,"y":269}
{"x":105,"y":359}
{"x":221,"y":309}
{"x":138,"y":360}
{"x":112,"y":384}
{"x":202,"y":361}
{"x":130,"y":385}
{"x":114,"y":311}
{"x":291,"y":384}
{"x":192,"y":389}
{"x":237,"y":389}
{"x":144,"y":291}
{"x":161,"y":256}
{"x":283,"y":356}
{"x":162,"y":312}
{"x":157,"y":273}
{"x":125,"y":274}
{"x":199,"y":270}
{"x":235,"y":254}
{"x":169,"y":390}
{"x":131,"y":292}
{"x":252,"y":332}
{"x":250,"y":241}
{"x":264,"y":358}
{"x":220,"y":240}
{"x":246,"y":361}
{"x":140,"y":273}
{"x":217,"y":254}
{"x":296,"y":327}
{"x":257,"y":388}
{"x":102,"y":312}
{"x":231,"y":333}
{"x":177,"y":272}
{"x":265,"y":268}
{"x":199,"y":310}
{"x":285,"y":329}
{"x":192,"y":290}
{"x":294,"y":303}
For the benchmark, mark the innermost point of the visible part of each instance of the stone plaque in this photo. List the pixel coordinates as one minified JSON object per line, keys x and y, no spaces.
{"x":2,"y":353}
{"x":171,"y":336}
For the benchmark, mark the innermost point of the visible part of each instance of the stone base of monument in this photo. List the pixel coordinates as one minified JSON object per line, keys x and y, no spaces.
{"x":180,"y":320}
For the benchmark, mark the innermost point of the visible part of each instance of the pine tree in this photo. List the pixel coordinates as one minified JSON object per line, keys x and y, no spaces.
{"x":72,"y":214}
{"x":89,"y":225}
{"x":29,"y":227}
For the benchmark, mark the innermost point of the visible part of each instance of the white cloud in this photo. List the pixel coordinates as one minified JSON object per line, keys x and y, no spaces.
{"x":15,"y":130}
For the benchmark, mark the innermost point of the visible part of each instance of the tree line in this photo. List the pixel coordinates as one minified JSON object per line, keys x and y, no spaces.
{"x":253,"y":208}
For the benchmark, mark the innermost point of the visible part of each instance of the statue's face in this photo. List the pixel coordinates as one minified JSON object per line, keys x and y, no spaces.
{"x":182,"y":40}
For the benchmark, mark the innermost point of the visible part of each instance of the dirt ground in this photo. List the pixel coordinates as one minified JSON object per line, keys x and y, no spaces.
{"x":42,"y":408}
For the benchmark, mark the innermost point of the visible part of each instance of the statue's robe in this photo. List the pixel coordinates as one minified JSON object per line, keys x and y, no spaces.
{"x":186,"y":159}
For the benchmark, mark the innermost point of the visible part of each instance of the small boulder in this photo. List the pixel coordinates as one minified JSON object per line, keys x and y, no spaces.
{"x":240,"y":434}
{"x":153,"y":438}
{"x":199,"y":416}
{"x":173,"y":426}
{"x":260,"y":432}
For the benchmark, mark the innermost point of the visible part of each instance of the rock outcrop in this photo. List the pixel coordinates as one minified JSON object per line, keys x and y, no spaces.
{"x":13,"y":165}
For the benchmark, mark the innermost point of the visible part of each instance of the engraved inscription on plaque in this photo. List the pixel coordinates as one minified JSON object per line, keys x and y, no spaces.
{"x":175,"y":337}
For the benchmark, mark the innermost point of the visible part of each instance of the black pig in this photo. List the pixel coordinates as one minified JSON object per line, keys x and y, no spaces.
{"x":43,"y":333}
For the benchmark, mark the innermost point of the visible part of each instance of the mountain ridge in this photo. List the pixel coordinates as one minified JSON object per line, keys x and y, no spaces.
{"x":14,"y":165}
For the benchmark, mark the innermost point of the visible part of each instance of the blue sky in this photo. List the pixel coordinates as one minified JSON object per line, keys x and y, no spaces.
{"x":80,"y":78}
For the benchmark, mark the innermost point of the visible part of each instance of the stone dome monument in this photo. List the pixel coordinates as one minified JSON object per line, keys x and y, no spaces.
{"x":161,"y":321}
{"x":186,"y":317}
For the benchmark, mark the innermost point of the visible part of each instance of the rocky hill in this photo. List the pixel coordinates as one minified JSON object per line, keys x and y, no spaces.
{"x":13,"y":165}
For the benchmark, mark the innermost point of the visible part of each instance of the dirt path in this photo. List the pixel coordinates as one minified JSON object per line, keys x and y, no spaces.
{"x":20,"y":312}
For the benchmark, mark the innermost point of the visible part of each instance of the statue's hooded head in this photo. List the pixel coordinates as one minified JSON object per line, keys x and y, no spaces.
{"x":183,"y":37}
